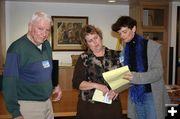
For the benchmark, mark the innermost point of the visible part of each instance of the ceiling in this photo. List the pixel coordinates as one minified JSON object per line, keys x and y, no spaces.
{"x":78,"y":1}
{"x":118,"y":2}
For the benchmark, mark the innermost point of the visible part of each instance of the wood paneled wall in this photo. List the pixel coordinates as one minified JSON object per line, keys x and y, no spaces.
{"x":2,"y":33}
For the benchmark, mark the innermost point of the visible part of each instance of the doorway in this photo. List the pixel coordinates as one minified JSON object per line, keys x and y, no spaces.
{"x":177,"y":81}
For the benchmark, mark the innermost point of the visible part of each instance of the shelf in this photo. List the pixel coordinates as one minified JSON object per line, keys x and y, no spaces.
{"x":152,"y":23}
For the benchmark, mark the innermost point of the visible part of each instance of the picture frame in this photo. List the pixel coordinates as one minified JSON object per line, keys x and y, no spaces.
{"x":66,"y":33}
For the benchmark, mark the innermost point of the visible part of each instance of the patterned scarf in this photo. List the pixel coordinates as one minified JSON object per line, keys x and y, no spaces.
{"x":135,"y":57}
{"x":95,"y":66}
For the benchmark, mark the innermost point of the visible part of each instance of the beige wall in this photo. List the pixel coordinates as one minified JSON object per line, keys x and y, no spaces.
{"x":18,"y":14}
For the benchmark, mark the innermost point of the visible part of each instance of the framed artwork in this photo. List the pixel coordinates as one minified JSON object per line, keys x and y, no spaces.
{"x":66,"y":33}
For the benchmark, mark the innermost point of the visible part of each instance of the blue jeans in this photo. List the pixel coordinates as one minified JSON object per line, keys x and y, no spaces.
{"x":146,"y":110}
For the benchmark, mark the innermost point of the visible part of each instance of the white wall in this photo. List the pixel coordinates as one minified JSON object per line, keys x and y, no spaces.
{"x":19,"y":13}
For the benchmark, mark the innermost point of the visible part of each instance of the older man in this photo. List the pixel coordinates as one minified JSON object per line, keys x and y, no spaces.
{"x":27,"y":82}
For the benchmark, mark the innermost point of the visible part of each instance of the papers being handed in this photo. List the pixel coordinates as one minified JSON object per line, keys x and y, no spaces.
{"x":115,"y":80}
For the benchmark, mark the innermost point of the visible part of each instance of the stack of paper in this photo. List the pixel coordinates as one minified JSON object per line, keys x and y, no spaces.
{"x":115,"y":80}
{"x":99,"y":97}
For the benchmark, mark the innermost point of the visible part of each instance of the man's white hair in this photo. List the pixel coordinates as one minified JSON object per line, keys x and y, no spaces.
{"x":40,"y":15}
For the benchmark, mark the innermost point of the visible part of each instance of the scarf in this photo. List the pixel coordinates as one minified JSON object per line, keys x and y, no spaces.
{"x":95,"y":66}
{"x":135,"y":56}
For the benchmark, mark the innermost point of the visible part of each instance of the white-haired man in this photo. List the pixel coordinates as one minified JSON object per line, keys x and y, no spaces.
{"x":27,"y":81}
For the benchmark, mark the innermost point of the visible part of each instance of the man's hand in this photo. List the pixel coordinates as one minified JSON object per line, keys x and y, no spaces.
{"x":57,"y":93}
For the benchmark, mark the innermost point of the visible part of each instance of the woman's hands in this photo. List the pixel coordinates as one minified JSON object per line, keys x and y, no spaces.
{"x":110,"y":93}
{"x":102,"y":88}
{"x":128,"y":76}
{"x":90,"y":85}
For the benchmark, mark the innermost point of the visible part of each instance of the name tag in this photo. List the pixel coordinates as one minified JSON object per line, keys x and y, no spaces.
{"x":121,"y":58}
{"x":45,"y":64}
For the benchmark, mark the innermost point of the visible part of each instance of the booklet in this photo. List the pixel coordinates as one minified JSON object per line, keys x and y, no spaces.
{"x":99,"y":97}
{"x":115,"y":80}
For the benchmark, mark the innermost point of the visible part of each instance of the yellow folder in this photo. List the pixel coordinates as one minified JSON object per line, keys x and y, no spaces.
{"x":115,"y":80}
